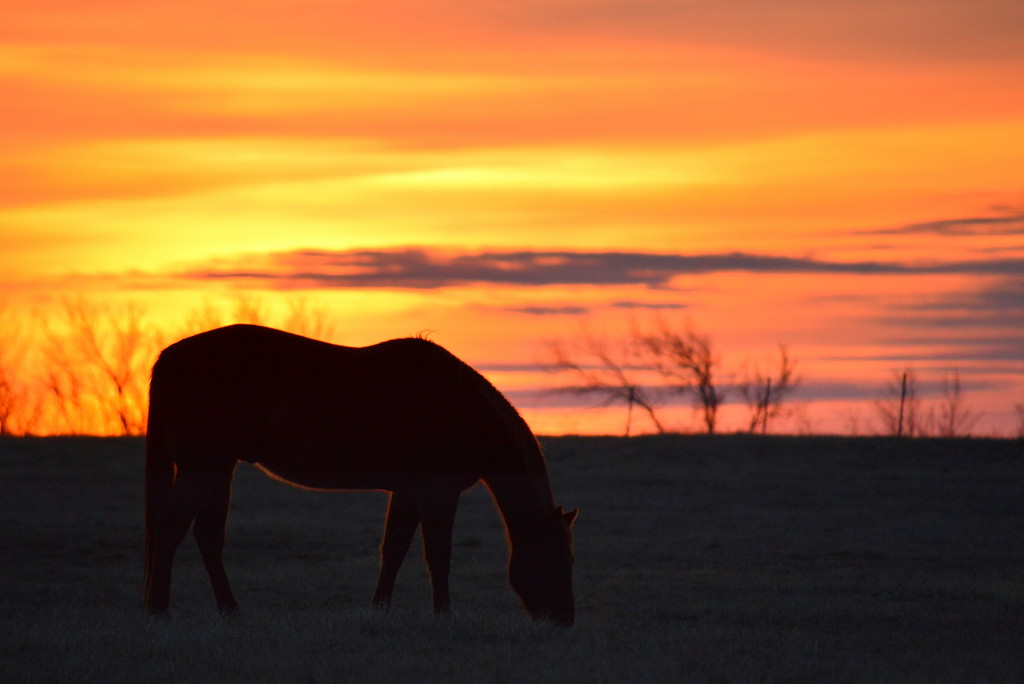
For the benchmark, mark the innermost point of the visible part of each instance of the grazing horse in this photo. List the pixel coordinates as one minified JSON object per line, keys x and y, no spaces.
{"x":403,"y":416}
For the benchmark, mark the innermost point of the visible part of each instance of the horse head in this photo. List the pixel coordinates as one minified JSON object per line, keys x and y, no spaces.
{"x":540,"y":569}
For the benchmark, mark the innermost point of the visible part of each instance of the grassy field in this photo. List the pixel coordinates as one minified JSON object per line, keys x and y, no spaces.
{"x":728,"y":558}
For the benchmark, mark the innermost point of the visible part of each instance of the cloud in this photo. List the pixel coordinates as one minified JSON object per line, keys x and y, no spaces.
{"x":1005,"y":296}
{"x":914,"y":30}
{"x":981,"y":325}
{"x":652,"y":306}
{"x":414,"y":268}
{"x":549,"y":310}
{"x":808,"y":390}
{"x":1010,"y":224}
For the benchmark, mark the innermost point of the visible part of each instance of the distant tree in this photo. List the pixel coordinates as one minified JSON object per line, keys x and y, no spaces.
{"x":308,"y":318}
{"x":250,"y":309}
{"x":900,"y":408}
{"x":767,"y":391}
{"x":12,"y":395}
{"x":954,"y":417}
{"x":686,"y":358}
{"x":302,"y":316}
{"x":9,"y":400}
{"x":1020,"y":420}
{"x":606,"y":372}
{"x":206,"y":316}
{"x":97,"y":363}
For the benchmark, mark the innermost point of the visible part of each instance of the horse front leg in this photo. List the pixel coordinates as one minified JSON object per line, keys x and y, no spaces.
{"x":399,"y":528}
{"x":209,"y":534}
{"x":437,"y":515}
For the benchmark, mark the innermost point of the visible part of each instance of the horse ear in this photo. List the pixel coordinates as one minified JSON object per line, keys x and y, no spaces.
{"x":558,"y":514}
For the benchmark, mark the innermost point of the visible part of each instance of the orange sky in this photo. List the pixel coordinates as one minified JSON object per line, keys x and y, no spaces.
{"x":841,"y":177}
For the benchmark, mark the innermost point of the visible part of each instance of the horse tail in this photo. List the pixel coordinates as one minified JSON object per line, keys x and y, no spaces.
{"x":159,"y":477}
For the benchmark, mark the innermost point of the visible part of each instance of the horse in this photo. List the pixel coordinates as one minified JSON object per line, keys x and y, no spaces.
{"x":403,"y":416}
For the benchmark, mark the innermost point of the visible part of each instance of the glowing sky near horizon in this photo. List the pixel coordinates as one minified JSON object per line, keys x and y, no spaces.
{"x":841,"y":177}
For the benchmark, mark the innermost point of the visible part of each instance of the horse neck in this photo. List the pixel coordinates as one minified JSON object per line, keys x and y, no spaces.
{"x":523,"y":501}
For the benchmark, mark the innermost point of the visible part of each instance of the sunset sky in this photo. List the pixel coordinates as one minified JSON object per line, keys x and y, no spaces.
{"x":845,"y":178}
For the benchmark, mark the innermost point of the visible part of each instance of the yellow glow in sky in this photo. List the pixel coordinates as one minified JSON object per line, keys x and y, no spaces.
{"x":480,"y":152}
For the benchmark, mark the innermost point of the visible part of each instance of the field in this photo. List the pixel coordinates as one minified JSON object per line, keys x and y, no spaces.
{"x":726,"y":558}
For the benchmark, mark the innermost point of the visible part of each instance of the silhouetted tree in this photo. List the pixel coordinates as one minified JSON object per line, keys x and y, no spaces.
{"x":12,"y":396}
{"x":302,"y":316}
{"x":605,"y":372}
{"x":308,"y":318}
{"x":249,"y":309}
{"x":955,"y":418}
{"x":97,"y":366}
{"x":766,"y":391}
{"x":900,"y":408}
{"x":8,"y":402}
{"x":206,"y":316}
{"x":686,"y":358}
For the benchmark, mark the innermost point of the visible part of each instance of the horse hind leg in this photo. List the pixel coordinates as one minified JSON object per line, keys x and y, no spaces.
{"x":399,"y":528}
{"x":437,"y":512}
{"x":187,"y":497}
{"x":209,"y":535}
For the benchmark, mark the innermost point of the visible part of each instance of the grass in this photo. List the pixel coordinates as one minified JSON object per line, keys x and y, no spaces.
{"x":726,"y":558}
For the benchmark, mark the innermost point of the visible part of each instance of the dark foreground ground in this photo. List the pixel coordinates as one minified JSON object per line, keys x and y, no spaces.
{"x":728,"y":558}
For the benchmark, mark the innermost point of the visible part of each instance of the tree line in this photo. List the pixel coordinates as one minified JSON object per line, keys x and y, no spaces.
{"x":655,"y":364}
{"x":650,"y":366}
{"x":90,"y":362}
{"x":90,"y":371}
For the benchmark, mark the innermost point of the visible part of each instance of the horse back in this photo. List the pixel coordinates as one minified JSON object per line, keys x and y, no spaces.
{"x":320,"y":414}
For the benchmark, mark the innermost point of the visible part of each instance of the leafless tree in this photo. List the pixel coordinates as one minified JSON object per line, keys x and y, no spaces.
{"x":206,"y":316}
{"x":955,"y":418}
{"x":8,"y":402}
{"x":900,"y":408}
{"x":96,"y":366}
{"x":308,"y":318}
{"x":767,"y":391}
{"x":686,"y":358}
{"x":250,"y":309}
{"x":604,"y":371}
{"x":302,"y":316}
{"x":12,"y":399}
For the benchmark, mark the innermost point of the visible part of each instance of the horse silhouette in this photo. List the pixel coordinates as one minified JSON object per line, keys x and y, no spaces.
{"x":404,"y":416}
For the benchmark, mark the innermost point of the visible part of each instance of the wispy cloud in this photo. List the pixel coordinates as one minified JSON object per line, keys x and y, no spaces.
{"x":425,"y":269}
{"x":1006,"y":295}
{"x":984,"y":324}
{"x":1009,"y":224}
{"x":549,"y":310}
{"x":649,"y":306}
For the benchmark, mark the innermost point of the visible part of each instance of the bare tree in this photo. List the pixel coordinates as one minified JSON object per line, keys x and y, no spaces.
{"x":767,"y":391}
{"x":250,"y":309}
{"x":605,"y":372}
{"x":955,"y":418}
{"x":308,"y":318}
{"x":900,"y":408}
{"x":13,"y":398}
{"x":302,"y":316}
{"x":204,"y":317}
{"x":9,"y":400}
{"x":687,"y":360}
{"x":96,"y":366}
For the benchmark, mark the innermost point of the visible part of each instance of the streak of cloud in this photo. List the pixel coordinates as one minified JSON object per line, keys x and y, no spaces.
{"x":423,"y":269}
{"x":549,"y":310}
{"x":1010,"y":224}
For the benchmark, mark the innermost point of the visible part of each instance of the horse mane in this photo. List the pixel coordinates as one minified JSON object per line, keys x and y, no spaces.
{"x":526,"y":444}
